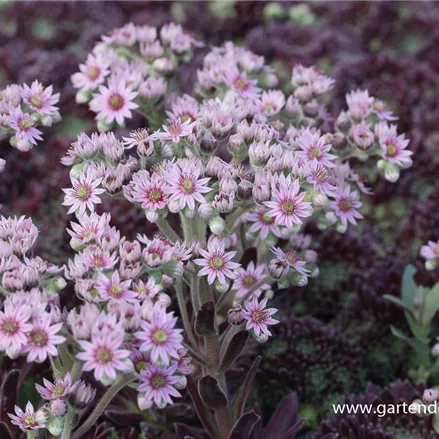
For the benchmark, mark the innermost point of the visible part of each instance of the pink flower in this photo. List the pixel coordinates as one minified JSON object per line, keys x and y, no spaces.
{"x":95,"y":257}
{"x":241,"y":83}
{"x":92,"y":73}
{"x":247,"y":278}
{"x":288,"y":205}
{"x":359,"y":103}
{"x":115,"y":102}
{"x":216,"y":262}
{"x":24,"y":126}
{"x":314,"y":147}
{"x":60,"y":389}
{"x":175,"y":130}
{"x":27,"y":420}
{"x":150,"y":190}
{"x":292,"y":259}
{"x":156,"y":252}
{"x":14,"y":325}
{"x":103,"y":355}
{"x":160,"y":338}
{"x":89,"y":227}
{"x":258,"y":317}
{"x":346,"y":204}
{"x":158,"y":384}
{"x":142,"y":140}
{"x":431,"y":250}
{"x":263,"y":223}
{"x":83,"y":194}
{"x":184,"y":184}
{"x":146,"y":290}
{"x":43,"y":339}
{"x":40,"y":99}
{"x":114,"y":289}
{"x":270,"y":103}
{"x":393,"y":146}
{"x":320,"y":179}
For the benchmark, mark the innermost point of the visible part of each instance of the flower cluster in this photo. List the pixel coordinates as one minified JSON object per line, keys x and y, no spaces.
{"x":23,"y":109}
{"x":237,"y":166}
{"x":131,"y":69}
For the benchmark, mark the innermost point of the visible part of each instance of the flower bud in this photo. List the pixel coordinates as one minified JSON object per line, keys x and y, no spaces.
{"x":188,"y":212}
{"x":236,"y":315}
{"x":278,"y":268}
{"x":143,"y":403}
{"x":236,"y":144}
{"x":391,"y":173}
{"x":435,"y":350}
{"x":82,"y":97}
{"x":429,"y":396}
{"x":174,"y":206}
{"x":206,"y":210}
{"x":102,"y":126}
{"x":43,"y":415}
{"x":152,"y":216}
{"x":47,"y":121}
{"x":430,"y":264}
{"x":263,"y":338}
{"x":2,"y":165}
{"x":217,"y":225}
{"x":59,"y":407}
{"x":208,"y":144}
{"x":343,"y":121}
{"x":181,"y":383}
{"x":23,"y":145}
{"x":320,"y":200}
{"x":55,"y":426}
{"x":331,"y":218}
{"x":222,"y":287}
{"x":299,"y":279}
{"x":381,"y":165}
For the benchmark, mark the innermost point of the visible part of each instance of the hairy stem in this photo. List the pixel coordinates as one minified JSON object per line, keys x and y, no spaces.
{"x":68,"y":424}
{"x":167,"y":230}
{"x":76,"y":371}
{"x":115,"y":388}
{"x":184,"y":314}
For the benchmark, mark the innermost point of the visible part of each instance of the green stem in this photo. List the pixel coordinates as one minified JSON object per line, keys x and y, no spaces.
{"x":184,"y":314}
{"x":68,"y":424}
{"x":115,"y":388}
{"x":76,"y":371}
{"x":167,"y":230}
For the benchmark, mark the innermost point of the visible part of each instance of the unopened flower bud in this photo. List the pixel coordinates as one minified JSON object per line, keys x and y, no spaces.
{"x":23,"y":145}
{"x":2,"y":165}
{"x":43,"y":415}
{"x":188,"y":212}
{"x":331,"y":218}
{"x":236,"y":315}
{"x":152,"y":216}
{"x":82,"y":97}
{"x":273,"y":11}
{"x":47,"y":121}
{"x":292,"y":105}
{"x":429,"y":396}
{"x":208,"y":144}
{"x":236,"y":144}
{"x":181,"y":383}
{"x":311,"y":108}
{"x":174,"y":206}
{"x":320,"y":200}
{"x":430,"y":264}
{"x":381,"y":165}
{"x":343,"y":121}
{"x":310,"y":256}
{"x":55,"y":426}
{"x":222,"y":287}
{"x":263,"y":338}
{"x":299,"y":279}
{"x":391,"y":173}
{"x":217,"y":225}
{"x":278,"y":268}
{"x":59,"y":407}
{"x":435,"y":350}
{"x":143,"y":403}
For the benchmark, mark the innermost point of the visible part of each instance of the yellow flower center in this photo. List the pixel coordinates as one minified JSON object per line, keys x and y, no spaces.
{"x":103,"y":355}
{"x":160,"y":337}
{"x":116,"y":102}
{"x":391,"y":149}
{"x":36,"y":101}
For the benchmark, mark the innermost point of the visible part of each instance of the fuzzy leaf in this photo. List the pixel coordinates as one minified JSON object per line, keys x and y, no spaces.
{"x":244,"y":391}
{"x":232,"y":345}
{"x":203,"y":414}
{"x":244,"y":426}
{"x":291,"y":433}
{"x":397,"y":302}
{"x":205,"y":321}
{"x":211,"y":392}
{"x":409,"y":288}
{"x":184,"y":432}
{"x":284,"y":417}
{"x":416,"y":345}
{"x":431,"y":305}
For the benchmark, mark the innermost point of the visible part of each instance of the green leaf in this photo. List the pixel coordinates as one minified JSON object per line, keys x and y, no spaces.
{"x":436,"y":422}
{"x":416,"y":345}
{"x":409,"y":288}
{"x":420,"y":332}
{"x":397,"y":302}
{"x":431,"y":305}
